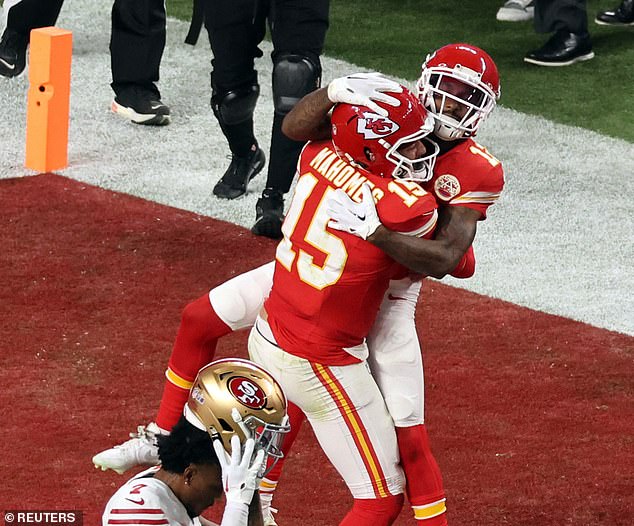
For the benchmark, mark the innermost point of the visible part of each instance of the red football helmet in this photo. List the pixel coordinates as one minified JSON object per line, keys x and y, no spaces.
{"x":375,"y":143}
{"x":460,"y":86}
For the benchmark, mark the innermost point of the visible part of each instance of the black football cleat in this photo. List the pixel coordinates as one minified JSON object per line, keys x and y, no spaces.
{"x":241,"y":170}
{"x":269,"y":214}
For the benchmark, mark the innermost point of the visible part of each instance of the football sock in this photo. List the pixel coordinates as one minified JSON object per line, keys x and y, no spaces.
{"x":194,"y":347}
{"x":424,"y":482}
{"x":374,"y":512}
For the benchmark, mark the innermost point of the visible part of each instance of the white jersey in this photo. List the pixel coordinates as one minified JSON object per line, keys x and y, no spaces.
{"x":146,"y":500}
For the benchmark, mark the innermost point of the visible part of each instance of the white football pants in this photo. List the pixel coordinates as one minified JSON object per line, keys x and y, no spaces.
{"x":347,"y":414}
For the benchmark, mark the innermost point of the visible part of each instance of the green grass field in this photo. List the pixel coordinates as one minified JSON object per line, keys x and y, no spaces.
{"x":393,"y":36}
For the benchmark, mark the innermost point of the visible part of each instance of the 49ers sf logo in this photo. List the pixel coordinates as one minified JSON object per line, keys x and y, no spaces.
{"x":247,"y":392}
{"x":375,"y":126}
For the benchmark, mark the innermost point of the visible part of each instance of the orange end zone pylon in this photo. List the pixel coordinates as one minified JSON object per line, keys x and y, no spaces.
{"x":48,"y":99}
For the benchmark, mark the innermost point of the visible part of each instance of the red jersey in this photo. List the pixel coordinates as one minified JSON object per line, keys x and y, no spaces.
{"x":467,"y":175}
{"x":328,"y":285}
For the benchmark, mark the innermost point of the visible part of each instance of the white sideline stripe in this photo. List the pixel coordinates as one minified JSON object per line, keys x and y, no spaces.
{"x":559,"y":239}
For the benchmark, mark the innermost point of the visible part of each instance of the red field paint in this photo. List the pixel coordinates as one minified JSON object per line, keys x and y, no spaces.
{"x":531,"y":416}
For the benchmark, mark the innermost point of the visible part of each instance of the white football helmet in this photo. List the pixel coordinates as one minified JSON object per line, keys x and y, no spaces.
{"x":460,"y":86}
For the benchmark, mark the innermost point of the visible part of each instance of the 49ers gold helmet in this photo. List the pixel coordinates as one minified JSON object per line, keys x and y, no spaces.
{"x":235,"y":396}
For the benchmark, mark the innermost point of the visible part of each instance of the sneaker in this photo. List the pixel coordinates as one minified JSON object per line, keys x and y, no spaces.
{"x":269,"y":214}
{"x":140,"y":450}
{"x":619,"y":16}
{"x":516,"y":11}
{"x":241,"y":170}
{"x":562,"y":49}
{"x":12,"y":53}
{"x":141,"y":106}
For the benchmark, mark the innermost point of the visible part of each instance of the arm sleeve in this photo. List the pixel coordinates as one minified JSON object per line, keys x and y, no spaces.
{"x":395,"y":355}
{"x":466,"y":267}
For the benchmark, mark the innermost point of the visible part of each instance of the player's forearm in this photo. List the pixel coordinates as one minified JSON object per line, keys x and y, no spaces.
{"x":431,"y":257}
{"x":309,"y":120}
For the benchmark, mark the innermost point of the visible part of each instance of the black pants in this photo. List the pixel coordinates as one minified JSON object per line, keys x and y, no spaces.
{"x":236,"y":28}
{"x":137,"y":42}
{"x":25,"y":15}
{"x":555,"y":15}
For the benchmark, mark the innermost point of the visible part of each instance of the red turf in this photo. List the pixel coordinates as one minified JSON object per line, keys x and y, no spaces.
{"x":530,"y":415}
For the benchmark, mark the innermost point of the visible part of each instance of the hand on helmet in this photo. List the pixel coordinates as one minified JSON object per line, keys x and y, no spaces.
{"x":360,"y":219}
{"x":363,"y":89}
{"x":240,"y":469}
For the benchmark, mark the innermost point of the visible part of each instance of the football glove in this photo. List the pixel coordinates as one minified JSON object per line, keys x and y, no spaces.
{"x":363,"y":89}
{"x":239,"y":470}
{"x":360,"y":219}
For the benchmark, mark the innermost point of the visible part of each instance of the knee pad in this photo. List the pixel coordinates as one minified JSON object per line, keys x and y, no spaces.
{"x":293,"y":77}
{"x":235,"y":106}
{"x":239,"y":300}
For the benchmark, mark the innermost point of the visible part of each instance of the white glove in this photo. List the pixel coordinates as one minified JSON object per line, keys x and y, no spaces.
{"x":239,"y":471}
{"x":360,"y":219}
{"x":363,"y":89}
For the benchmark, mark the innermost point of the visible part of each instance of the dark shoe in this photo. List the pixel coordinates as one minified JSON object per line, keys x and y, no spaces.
{"x":142,"y":106}
{"x":241,"y":170}
{"x":12,"y":53}
{"x":619,"y":16}
{"x":562,"y":49}
{"x":269,"y":214}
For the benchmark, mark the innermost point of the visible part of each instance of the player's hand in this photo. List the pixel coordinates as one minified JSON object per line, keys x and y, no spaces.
{"x":360,"y":219}
{"x":363,"y":89}
{"x":240,"y":469}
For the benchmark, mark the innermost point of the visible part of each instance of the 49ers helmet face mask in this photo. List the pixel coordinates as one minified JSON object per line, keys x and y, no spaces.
{"x":234,"y":396}
{"x":460,"y":86}
{"x":376,"y":143}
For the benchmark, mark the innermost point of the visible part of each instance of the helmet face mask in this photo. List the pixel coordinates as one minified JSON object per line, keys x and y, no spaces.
{"x":462,"y":77}
{"x":376,"y":143}
{"x":419,"y":169}
{"x":235,"y":396}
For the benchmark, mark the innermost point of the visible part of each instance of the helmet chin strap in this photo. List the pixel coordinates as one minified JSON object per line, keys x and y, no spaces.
{"x":446,"y":132}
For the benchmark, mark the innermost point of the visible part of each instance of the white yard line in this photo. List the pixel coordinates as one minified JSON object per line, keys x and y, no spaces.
{"x":560,"y":240}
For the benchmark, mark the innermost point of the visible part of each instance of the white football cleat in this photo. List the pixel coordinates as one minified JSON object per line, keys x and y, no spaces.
{"x":140,"y":450}
{"x":267,"y":509}
{"x":269,"y":520}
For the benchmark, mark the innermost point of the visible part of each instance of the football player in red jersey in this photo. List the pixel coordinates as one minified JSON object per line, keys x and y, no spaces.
{"x":465,"y":187}
{"x":328,"y":287}
{"x":460,"y":86}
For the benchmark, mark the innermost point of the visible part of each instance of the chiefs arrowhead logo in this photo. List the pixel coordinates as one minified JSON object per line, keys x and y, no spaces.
{"x":375,"y":126}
